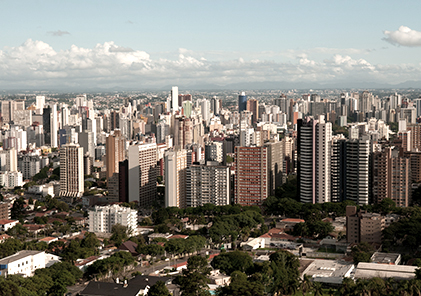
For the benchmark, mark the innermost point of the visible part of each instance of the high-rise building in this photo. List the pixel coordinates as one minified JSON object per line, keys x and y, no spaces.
{"x":242,"y":102}
{"x":71,"y":171}
{"x":54,"y":126}
{"x":314,"y":151}
{"x":175,"y":178}
{"x":214,"y":151}
{"x":174,"y":98}
{"x":275,"y":164}
{"x":253,"y":107}
{"x":338,"y":169}
{"x":251,"y":175}
{"x":357,"y":170}
{"x":29,"y":164}
{"x":114,"y":152}
{"x":142,"y":174}
{"x":391,"y":177}
{"x":207,"y":184}
{"x":39,"y":104}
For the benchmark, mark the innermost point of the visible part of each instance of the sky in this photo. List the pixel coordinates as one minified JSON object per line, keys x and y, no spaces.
{"x":156,"y":44}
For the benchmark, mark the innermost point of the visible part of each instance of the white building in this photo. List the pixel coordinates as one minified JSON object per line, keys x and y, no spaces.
{"x":11,"y":179}
{"x":6,"y":224}
{"x":207,"y":184}
{"x":102,"y":219}
{"x":174,"y":98}
{"x":175,"y":178}
{"x":26,"y":262}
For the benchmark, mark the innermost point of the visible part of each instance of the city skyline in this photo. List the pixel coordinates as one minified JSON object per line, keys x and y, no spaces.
{"x":151,"y":45}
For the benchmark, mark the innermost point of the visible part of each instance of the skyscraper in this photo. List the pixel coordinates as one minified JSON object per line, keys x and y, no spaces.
{"x":357,"y":166}
{"x":54,"y":126}
{"x":313,"y":148}
{"x":174,"y":98}
{"x":71,"y":171}
{"x":142,"y":174}
{"x":242,"y":102}
{"x":253,"y":107}
{"x":251,"y":175}
{"x":175,"y":178}
{"x":207,"y":184}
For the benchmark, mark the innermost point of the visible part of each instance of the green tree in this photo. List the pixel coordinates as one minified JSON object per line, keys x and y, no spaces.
{"x":240,"y":285}
{"x":159,"y":289}
{"x":119,"y":234}
{"x":194,"y":281}
{"x":362,"y":252}
{"x":284,"y":266}
{"x":233,"y":261}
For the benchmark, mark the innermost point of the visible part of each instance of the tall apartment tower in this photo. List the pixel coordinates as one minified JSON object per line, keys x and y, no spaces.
{"x":251,"y":175}
{"x":114,"y":152}
{"x":142,"y":174}
{"x":323,"y":155}
{"x":391,"y":177}
{"x":242,"y":102}
{"x":253,"y":107}
{"x":207,"y":184}
{"x":314,"y":151}
{"x":338,"y":169}
{"x":275,"y":164}
{"x":54,"y":126}
{"x":174,"y":98}
{"x":357,"y":175}
{"x":71,"y":171}
{"x":175,"y":178}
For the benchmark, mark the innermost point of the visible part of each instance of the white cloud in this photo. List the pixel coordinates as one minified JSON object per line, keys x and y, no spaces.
{"x":37,"y":64}
{"x":58,"y":33}
{"x":403,"y":36}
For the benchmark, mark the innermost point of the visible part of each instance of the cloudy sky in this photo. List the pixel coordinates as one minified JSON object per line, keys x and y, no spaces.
{"x":153,"y":44}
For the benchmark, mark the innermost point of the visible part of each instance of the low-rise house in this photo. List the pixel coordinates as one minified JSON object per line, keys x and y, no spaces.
{"x":130,"y":247}
{"x":4,"y":237}
{"x":6,"y":224}
{"x":136,"y":286}
{"x":83,"y":264}
{"x":48,"y":239}
{"x":253,"y":244}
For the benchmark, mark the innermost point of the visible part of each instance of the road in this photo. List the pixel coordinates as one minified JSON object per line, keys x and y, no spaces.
{"x":74,"y":290}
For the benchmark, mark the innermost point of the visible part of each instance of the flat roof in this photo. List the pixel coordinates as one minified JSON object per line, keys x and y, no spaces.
{"x":19,"y":255}
{"x":369,"y":270}
{"x":385,"y":257}
{"x":328,"y":268}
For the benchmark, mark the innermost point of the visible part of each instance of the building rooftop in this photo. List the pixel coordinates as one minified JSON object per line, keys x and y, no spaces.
{"x":18,"y":256}
{"x":386,"y":258}
{"x":328,"y":271}
{"x":370,"y":270}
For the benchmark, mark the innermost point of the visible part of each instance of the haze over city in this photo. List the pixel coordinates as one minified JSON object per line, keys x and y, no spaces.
{"x":141,"y":45}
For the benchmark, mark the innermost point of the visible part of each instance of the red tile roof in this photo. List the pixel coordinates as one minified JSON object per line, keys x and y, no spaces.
{"x":6,"y":221}
{"x":293,"y":220}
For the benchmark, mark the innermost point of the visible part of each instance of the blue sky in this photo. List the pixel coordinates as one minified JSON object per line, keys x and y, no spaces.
{"x":218,"y":42}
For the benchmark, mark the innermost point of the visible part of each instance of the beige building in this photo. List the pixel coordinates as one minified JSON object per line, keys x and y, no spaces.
{"x":71,"y":171}
{"x":363,"y":227}
{"x":142,"y":174}
{"x":115,"y":152}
